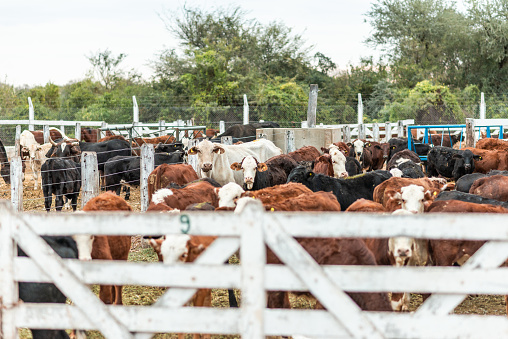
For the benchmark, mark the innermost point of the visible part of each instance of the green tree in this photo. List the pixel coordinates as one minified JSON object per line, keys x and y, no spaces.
{"x":106,"y":67}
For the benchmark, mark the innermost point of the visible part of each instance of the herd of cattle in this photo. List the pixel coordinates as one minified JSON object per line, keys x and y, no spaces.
{"x":361,"y":176}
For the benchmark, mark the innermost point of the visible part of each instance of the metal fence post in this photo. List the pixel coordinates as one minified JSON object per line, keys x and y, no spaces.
{"x":102,"y":131}
{"x":360,"y":111}
{"x":89,"y":177}
{"x":17,"y":183}
{"x":147,"y":166}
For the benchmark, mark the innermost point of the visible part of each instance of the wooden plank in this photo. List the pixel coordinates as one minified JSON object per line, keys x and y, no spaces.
{"x":162,"y":128}
{"x":338,"y":303}
{"x":492,"y":254}
{"x":361,"y":131}
{"x":77,"y":131}
{"x":45,"y":133}
{"x":450,"y":280}
{"x":253,"y":254}
{"x":9,"y":287}
{"x":290,"y":141}
{"x":16,"y":176}
{"x":89,"y":177}
{"x":470,"y":138}
{"x":222,"y":127}
{"x":193,"y":159}
{"x":375,"y":132}
{"x":68,"y":283}
{"x":347,"y":134}
{"x":227,"y":140}
{"x":17,"y":138}
{"x":147,"y":166}
{"x":388,"y":131}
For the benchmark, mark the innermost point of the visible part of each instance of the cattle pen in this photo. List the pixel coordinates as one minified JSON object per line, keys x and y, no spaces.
{"x":251,"y":231}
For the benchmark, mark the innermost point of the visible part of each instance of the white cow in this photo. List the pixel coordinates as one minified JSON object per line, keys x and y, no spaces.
{"x":338,"y":162}
{"x":214,"y":160}
{"x":37,"y":154}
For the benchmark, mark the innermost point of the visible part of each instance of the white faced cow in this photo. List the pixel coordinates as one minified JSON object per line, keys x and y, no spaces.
{"x":214,"y":160}
{"x":338,"y":162}
{"x":36,"y":153}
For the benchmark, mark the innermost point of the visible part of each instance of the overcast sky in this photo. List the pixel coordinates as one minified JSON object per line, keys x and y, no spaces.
{"x":48,"y":41}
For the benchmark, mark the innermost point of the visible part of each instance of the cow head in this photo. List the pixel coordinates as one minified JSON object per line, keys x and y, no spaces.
{"x":338,"y":163}
{"x":175,"y":248}
{"x":412,"y":198}
{"x":357,"y":148}
{"x":250,"y":166}
{"x":206,"y":152}
{"x":466,"y":160}
{"x":385,"y":147}
{"x":64,"y":148}
{"x":400,"y":249}
{"x":229,"y":193}
{"x":84,"y":242}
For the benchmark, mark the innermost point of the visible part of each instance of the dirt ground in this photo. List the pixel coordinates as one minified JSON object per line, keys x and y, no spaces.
{"x":33,"y":201}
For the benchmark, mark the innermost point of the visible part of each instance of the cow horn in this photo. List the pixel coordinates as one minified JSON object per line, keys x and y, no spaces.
{"x":52,"y":142}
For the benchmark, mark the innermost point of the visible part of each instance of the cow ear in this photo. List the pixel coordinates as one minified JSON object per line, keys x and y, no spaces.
{"x":393,"y":147}
{"x":325,"y":150}
{"x":192,"y":151}
{"x":219,"y":150}
{"x":310,"y":174}
{"x":236,"y":166}
{"x":428,"y":195}
{"x":349,"y":144}
{"x":377,"y":146}
{"x":367,"y":144}
{"x":262,"y":167}
{"x":477,"y":157}
{"x":456,"y":156}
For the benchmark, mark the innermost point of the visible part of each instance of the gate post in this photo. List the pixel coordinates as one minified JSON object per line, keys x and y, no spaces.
{"x":253,"y":254}
{"x":147,"y":166}
{"x":227,"y":140}
{"x":470,"y":142}
{"x":17,"y":183}
{"x":89,"y":177}
{"x":77,"y":131}
{"x":375,"y":132}
{"x":347,"y":134}
{"x":9,"y":287}
{"x":193,"y":159}
{"x":388,"y":131}
{"x":45,"y":133}
{"x":17,"y":139}
{"x":290,"y":141}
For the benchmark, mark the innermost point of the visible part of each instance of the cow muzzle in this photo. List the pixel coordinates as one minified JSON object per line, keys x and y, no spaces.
{"x":385,"y":157}
{"x":206,"y":167}
{"x":344,"y":175}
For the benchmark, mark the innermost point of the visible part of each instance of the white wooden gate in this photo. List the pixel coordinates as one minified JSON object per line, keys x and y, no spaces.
{"x":250,"y":231}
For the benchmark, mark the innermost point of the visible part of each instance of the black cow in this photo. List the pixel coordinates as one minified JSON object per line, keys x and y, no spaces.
{"x":5,"y":170}
{"x":466,"y":181}
{"x":400,"y":156}
{"x":169,"y":148}
{"x":409,"y":169}
{"x":456,"y":195}
{"x":449,"y":162}
{"x":245,"y":133}
{"x":127,"y":168}
{"x":347,"y":190}
{"x":400,"y":144}
{"x":61,"y":177}
{"x":105,"y":150}
{"x":65,"y":247}
{"x":353,"y":167}
{"x":266,"y":174}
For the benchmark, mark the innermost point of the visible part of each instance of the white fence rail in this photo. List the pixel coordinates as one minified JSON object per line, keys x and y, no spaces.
{"x":252,"y":230}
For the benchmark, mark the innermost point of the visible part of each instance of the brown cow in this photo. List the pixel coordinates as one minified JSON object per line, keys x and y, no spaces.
{"x":167,"y":199}
{"x":489,"y":160}
{"x":110,"y":137}
{"x":414,"y":195}
{"x":364,"y":205}
{"x":109,"y":247}
{"x":492,"y":144}
{"x":276,"y":194}
{"x":343,"y":147}
{"x":493,"y":187}
{"x":54,"y":133}
{"x":323,"y":165}
{"x":380,"y":153}
{"x":306,"y":153}
{"x":313,"y":201}
{"x":91,"y":134}
{"x":166,"y":174}
{"x":457,"y":206}
{"x":165,"y":139}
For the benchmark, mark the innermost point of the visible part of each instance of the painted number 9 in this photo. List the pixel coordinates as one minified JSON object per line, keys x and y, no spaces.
{"x":185,"y":221}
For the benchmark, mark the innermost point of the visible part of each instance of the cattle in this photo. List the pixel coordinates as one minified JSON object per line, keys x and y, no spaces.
{"x":466,"y":181}
{"x":450,"y":163}
{"x":126,"y":170}
{"x":258,"y":175}
{"x":346,"y":190}
{"x":5,"y":170}
{"x":446,"y":140}
{"x":138,"y":142}
{"x":169,"y":148}
{"x":360,"y":150}
{"x":105,"y":150}
{"x":166,"y":174}
{"x":489,"y":160}
{"x":65,"y":247}
{"x":473,"y":198}
{"x":54,"y":133}
{"x":245,"y":133}
{"x":60,"y":177}
{"x":380,"y":153}
{"x":36,"y":161}
{"x":90,"y":134}
{"x":111,"y":137}
{"x":492,"y":144}
{"x":410,"y":170}
{"x":283,"y":162}
{"x":311,"y":201}
{"x":398,"y":157}
{"x":109,"y":247}
{"x":492,"y":187}
{"x":414,"y":195}
{"x":364,"y":205}
{"x":332,"y":164}
{"x":457,"y":206}
{"x":407,"y":162}
{"x":323,"y":165}
{"x":399,"y":144}
{"x":214,"y":160}
{"x":167,"y":199}
{"x":305,"y":153}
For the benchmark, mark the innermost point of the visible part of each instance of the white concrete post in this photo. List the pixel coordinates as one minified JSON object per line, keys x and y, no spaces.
{"x":290,"y":141}
{"x":483,"y":107}
{"x":77,"y":131}
{"x":388,"y":131}
{"x":312,"y":109}
{"x":261,"y":136}
{"x":361,"y":131}
{"x":193,"y":159}
{"x":45,"y":133}
{"x":135,"y":109}
{"x":147,"y":166}
{"x":304,"y":124}
{"x":375,"y":132}
{"x":17,"y":138}
{"x":222,"y":127}
{"x":31,"y":115}
{"x":102,"y":131}
{"x":245,"y":110}
{"x":227,"y":140}
{"x":89,"y":177}
{"x":360,"y":109}
{"x":347,"y":134}
{"x":162,"y":128}
{"x":17,"y":183}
